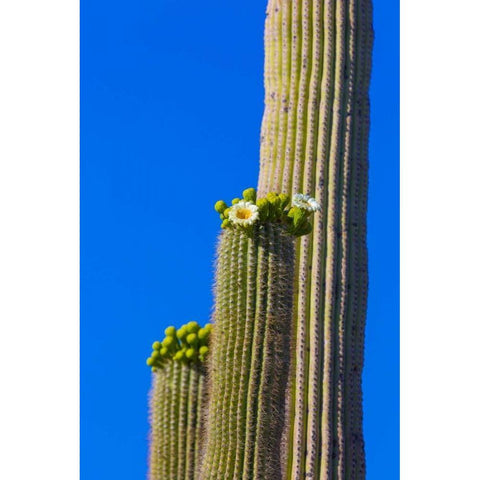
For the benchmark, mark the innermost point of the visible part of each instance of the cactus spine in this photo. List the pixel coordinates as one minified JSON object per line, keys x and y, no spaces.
{"x":177,"y":403}
{"x":250,"y":354}
{"x":315,"y":139}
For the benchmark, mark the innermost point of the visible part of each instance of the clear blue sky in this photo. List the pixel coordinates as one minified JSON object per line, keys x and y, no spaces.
{"x":171,"y":104}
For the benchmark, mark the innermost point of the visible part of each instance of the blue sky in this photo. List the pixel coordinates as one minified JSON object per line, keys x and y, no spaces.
{"x":171,"y":104}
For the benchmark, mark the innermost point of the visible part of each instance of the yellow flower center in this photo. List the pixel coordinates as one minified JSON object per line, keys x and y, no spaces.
{"x":244,"y":213}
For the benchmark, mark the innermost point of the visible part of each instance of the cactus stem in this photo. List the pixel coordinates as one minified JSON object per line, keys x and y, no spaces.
{"x":176,"y":403}
{"x":323,"y":151}
{"x":250,"y":413}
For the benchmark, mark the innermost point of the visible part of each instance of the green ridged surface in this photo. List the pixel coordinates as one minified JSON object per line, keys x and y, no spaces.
{"x":315,"y":140}
{"x":178,"y":402}
{"x":249,"y":364}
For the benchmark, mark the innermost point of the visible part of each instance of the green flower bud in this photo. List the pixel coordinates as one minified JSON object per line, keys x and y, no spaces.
{"x":220,"y":206}
{"x":272,"y":197}
{"x":168,"y":342}
{"x":164,"y":352}
{"x":263,"y":209}
{"x":275,"y":205}
{"x":284,"y":200}
{"x":192,"y":339}
{"x":235,"y":201}
{"x":155,"y":354}
{"x":250,"y":195}
{"x":203,"y":350}
{"x":190,"y":353}
{"x":182,"y":333}
{"x":203,"y":333}
{"x":170,"y":331}
{"x":226,"y":224}
{"x":193,"y":327}
{"x":208,"y":326}
{"x":150,"y":361}
{"x":156,"y":345}
{"x":154,"y":369}
{"x":298,"y":216}
{"x":179,"y":356}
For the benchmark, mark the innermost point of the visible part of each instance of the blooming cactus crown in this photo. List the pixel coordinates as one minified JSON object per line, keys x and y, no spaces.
{"x":187,"y":344}
{"x":249,"y":212}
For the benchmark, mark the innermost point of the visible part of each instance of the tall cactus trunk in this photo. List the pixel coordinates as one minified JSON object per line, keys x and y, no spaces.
{"x":315,"y":140}
{"x":250,"y":354}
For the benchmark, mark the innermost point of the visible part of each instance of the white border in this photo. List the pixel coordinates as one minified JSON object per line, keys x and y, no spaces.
{"x":440,"y":239}
{"x":39,"y":239}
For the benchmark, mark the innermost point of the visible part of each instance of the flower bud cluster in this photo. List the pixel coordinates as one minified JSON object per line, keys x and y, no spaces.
{"x":187,"y":344}
{"x":248,"y":212}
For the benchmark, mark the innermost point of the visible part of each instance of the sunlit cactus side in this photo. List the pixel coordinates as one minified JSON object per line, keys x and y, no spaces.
{"x":315,"y":140}
{"x":177,"y":402}
{"x":249,"y":364}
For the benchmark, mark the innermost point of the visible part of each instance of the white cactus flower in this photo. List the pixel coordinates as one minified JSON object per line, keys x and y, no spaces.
{"x":305,"y":202}
{"x":243,"y":213}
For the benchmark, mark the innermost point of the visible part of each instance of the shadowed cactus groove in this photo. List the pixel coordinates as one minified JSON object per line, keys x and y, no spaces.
{"x":315,"y":139}
{"x":177,"y":402}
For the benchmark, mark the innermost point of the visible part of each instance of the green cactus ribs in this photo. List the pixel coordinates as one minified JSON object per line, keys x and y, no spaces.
{"x":248,"y":212}
{"x":250,"y":360}
{"x":314,"y":138}
{"x":177,"y":401}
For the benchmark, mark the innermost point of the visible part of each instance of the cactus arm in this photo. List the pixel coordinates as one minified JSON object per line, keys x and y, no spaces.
{"x":253,"y":349}
{"x":177,"y":402}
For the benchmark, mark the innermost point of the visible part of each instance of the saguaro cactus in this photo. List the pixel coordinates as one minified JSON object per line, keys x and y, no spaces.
{"x":250,"y":344}
{"x":285,"y":374}
{"x":315,"y":139}
{"x":177,"y":402}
